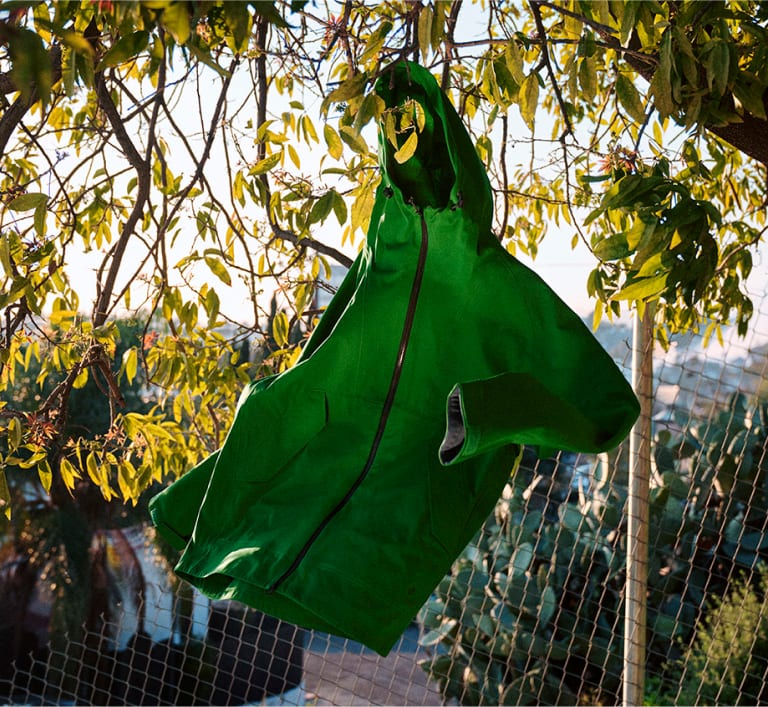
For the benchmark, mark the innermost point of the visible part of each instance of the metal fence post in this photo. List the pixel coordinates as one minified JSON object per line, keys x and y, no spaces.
{"x":637,"y":512}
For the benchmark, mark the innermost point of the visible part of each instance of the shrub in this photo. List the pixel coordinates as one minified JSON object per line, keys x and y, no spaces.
{"x":726,"y":663}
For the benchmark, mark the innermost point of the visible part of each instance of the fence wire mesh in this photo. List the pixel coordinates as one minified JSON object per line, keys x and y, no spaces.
{"x":532,"y":612}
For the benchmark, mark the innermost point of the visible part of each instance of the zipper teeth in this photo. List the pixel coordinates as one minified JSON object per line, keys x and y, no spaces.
{"x":385,"y":411}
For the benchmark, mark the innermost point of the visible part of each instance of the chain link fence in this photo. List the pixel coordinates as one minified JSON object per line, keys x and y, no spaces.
{"x":531,"y":613}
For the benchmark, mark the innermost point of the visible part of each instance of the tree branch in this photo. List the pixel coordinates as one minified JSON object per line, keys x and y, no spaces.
{"x":143,"y":176}
{"x":535,"y":10}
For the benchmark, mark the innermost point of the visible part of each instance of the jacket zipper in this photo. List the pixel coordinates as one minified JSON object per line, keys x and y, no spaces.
{"x":385,"y":411}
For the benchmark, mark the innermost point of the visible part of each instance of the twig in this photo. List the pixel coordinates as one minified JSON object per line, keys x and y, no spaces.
{"x":536,"y":11}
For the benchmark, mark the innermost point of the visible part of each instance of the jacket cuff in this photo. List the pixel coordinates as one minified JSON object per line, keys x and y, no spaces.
{"x":517,"y":408}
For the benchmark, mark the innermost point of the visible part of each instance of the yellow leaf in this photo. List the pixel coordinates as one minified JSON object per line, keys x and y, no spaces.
{"x":5,"y":254}
{"x":5,"y":495}
{"x":82,"y":379}
{"x":14,"y":433}
{"x":294,"y":156}
{"x":425,"y":31}
{"x":332,"y":139}
{"x":45,"y":474}
{"x":309,"y":129}
{"x":93,"y":468}
{"x":597,"y":315}
{"x":265,"y":165}
{"x":514,"y":61}
{"x":280,"y":326}
{"x":408,"y":149}
{"x":130,"y":362}
{"x":529,"y":98}
{"x":77,"y":42}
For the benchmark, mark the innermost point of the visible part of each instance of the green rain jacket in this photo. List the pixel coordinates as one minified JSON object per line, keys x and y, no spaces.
{"x":348,"y":484}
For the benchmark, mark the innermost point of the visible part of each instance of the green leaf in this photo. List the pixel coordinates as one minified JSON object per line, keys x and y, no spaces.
{"x":351,"y":88}
{"x":643,"y":288}
{"x":613,"y":248}
{"x":265,"y":165}
{"x":339,"y":207}
{"x":68,"y":70}
{"x":321,"y":208}
{"x":626,"y":13}
{"x":629,"y":98}
{"x":176,"y":20}
{"x":424,"y":31}
{"x":353,"y":138}
{"x":505,"y":81}
{"x":588,"y":78}
{"x":547,"y":606}
{"x":491,"y":85}
{"x":130,"y":364}
{"x":661,"y":83}
{"x":125,"y":49}
{"x":45,"y":474}
{"x":521,"y":558}
{"x":371,"y":107}
{"x":718,"y":66}
{"x":432,"y":638}
{"x":750,"y":95}
{"x":332,"y":139}
{"x":375,"y":42}
{"x":239,"y":22}
{"x":408,"y":149}
{"x":529,"y":98}
{"x":39,"y":220}
{"x":218,"y":269}
{"x":27,"y":202}
{"x":268,"y":10}
{"x":30,"y":63}
{"x":205,"y":57}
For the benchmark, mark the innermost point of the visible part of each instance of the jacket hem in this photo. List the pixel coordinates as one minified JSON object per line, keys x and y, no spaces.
{"x":228,"y":581}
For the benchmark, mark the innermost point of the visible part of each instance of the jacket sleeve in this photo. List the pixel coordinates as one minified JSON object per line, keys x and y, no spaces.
{"x":561,"y":390}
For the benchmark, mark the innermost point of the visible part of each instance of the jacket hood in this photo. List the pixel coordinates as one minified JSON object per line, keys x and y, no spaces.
{"x":445,"y":170}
